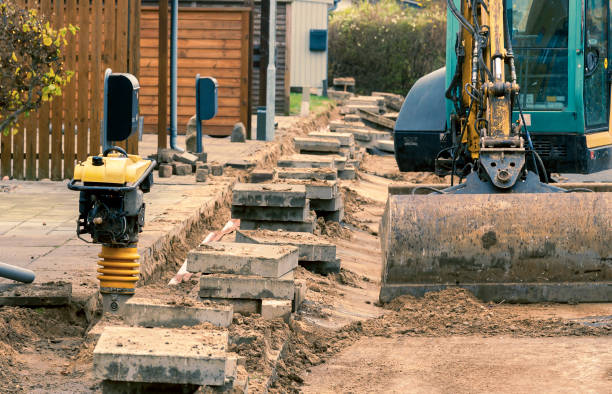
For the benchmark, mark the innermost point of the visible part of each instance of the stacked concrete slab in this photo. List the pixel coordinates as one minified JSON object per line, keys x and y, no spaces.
{"x":136,"y":359}
{"x":315,"y":254}
{"x":321,"y":186}
{"x":153,"y":348}
{"x":271,"y":206}
{"x":171,"y":162}
{"x":252,"y":278}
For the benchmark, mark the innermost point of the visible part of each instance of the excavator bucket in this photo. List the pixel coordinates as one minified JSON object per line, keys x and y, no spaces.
{"x":538,"y":247}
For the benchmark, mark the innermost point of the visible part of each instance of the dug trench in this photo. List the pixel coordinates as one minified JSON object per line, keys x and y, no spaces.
{"x":342,"y":340}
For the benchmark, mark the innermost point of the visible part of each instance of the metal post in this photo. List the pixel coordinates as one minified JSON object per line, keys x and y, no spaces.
{"x":173,"y":75}
{"x":103,"y":141}
{"x":199,"y":147}
{"x":271,"y":74}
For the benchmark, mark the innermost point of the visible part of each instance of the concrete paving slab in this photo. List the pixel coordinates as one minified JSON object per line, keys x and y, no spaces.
{"x":246,"y":287}
{"x":159,"y":355}
{"x":35,"y":295}
{"x":269,"y":195}
{"x":261,"y":176}
{"x":386,"y":145}
{"x":306,"y":161}
{"x":348,"y":173}
{"x":340,"y":126}
{"x":316,"y":144}
{"x":315,"y":189}
{"x":152,"y":312}
{"x":274,"y":309}
{"x":345,"y":139}
{"x":310,"y":247}
{"x":305,"y":227}
{"x":271,"y":261}
{"x":331,"y":204}
{"x":288,"y":214}
{"x":322,"y":174}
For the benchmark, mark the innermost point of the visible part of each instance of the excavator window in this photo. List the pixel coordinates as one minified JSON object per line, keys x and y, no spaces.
{"x":539,"y":32}
{"x":596,"y":88}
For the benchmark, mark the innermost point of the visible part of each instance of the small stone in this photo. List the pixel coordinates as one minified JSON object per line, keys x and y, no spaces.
{"x":238,"y":133}
{"x":202,"y":166}
{"x":201,"y":175}
{"x":202,"y":156}
{"x":166,"y":155}
{"x":185,"y":157}
{"x":182,"y":169}
{"x":165,"y":170}
{"x":216,"y":169}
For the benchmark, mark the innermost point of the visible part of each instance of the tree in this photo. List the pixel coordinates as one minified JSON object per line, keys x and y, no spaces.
{"x":31,"y":63}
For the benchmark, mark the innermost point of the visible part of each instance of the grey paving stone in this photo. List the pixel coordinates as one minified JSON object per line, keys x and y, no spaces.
{"x":310,"y":247}
{"x":151,"y":312}
{"x":271,"y":261}
{"x":327,"y":174}
{"x":306,"y":161}
{"x":306,"y":227}
{"x":35,"y":295}
{"x":165,"y":170}
{"x":160,"y":355}
{"x":345,"y":139}
{"x":332,"y":204}
{"x":269,"y":195}
{"x":261,"y":176}
{"x":347,"y":174}
{"x":288,"y":214}
{"x":316,"y":144}
{"x":246,"y":287}
{"x":185,"y":157}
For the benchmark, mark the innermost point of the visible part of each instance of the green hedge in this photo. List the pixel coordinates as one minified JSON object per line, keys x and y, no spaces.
{"x":386,"y":48}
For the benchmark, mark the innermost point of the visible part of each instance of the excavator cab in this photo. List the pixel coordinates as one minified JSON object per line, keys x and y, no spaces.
{"x":562,"y":50}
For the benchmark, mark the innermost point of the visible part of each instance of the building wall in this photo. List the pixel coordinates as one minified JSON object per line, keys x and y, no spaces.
{"x":212,"y":42}
{"x":307,"y":68}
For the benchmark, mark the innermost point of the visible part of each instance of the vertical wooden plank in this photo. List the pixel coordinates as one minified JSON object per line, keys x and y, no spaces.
{"x":83,"y":81}
{"x":57,"y":107}
{"x":43,"y":112}
{"x":31,"y":124}
{"x":108,"y":57}
{"x":121,"y":45}
{"x":134,"y":58}
{"x":70,"y":93}
{"x":245,"y":110}
{"x":6,"y":149}
{"x":96,"y":77}
{"x":162,"y":82}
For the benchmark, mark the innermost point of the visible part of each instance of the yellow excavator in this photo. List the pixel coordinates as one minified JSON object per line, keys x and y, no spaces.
{"x":525,"y":93}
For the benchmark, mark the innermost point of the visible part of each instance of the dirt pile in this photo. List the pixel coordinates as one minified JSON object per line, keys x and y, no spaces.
{"x":24,"y":331}
{"x":259,"y":341}
{"x":331,"y":229}
{"x":361,"y":212}
{"x":445,"y":313}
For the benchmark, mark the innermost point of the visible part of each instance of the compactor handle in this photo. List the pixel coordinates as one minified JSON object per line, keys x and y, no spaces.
{"x":116,"y":149}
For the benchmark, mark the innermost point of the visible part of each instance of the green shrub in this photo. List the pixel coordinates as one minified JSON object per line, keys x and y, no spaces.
{"x":386,"y":48}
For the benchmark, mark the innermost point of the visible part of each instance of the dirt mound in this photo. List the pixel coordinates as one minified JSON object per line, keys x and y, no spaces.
{"x":458,"y":312}
{"x":24,"y":330}
{"x":361,"y":212}
{"x":445,"y":313}
{"x":331,"y":229}
{"x":259,"y":341}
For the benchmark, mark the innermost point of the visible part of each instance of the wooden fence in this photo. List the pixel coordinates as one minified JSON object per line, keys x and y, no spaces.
{"x":212,"y":42}
{"x":67,"y":130}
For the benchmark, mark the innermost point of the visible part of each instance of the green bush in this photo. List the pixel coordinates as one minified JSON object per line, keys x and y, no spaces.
{"x":384,"y":47}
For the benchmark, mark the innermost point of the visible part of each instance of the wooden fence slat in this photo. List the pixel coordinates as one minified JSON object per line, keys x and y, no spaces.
{"x":70,"y":94}
{"x":30,"y":125}
{"x":43,"y":112}
{"x":5,"y":151}
{"x":57,"y":107}
{"x":83,"y":81}
{"x":96,"y":77}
